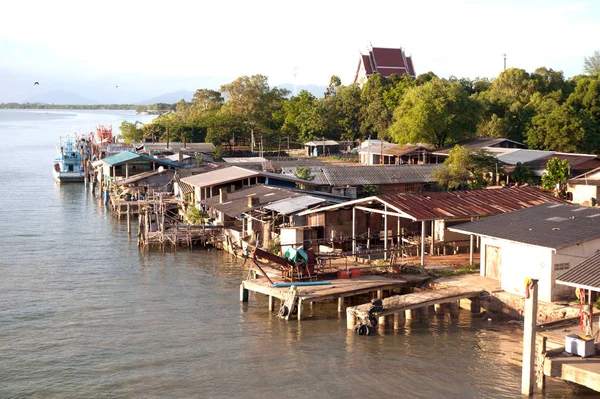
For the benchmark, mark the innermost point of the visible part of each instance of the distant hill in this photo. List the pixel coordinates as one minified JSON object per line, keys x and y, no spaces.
{"x":169,"y":98}
{"x":60,"y":97}
{"x":317,"y":91}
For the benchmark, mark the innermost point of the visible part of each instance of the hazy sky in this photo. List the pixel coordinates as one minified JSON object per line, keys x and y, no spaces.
{"x":159,"y":46}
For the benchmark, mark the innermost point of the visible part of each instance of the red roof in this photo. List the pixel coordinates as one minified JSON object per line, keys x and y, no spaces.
{"x":386,"y":62}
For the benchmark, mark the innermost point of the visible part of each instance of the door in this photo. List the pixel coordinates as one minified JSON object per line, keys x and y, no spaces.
{"x":492,"y":262}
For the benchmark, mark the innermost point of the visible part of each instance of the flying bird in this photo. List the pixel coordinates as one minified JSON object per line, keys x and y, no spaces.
{"x":117,"y":87}
{"x":36,"y":83}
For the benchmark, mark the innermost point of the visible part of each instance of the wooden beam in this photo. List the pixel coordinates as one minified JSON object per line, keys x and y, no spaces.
{"x":354,"y":232}
{"x":385,"y":232}
{"x":365,"y":209}
{"x":423,"y":246}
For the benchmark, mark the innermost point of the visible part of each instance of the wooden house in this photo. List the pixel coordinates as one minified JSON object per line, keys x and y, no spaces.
{"x":386,"y":219}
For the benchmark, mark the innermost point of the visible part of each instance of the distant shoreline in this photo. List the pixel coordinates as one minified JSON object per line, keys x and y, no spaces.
{"x":70,"y":106}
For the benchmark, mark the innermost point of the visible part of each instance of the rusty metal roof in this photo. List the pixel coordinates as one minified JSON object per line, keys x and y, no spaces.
{"x":470,"y":203}
{"x":584,"y":275}
{"x":455,"y":204}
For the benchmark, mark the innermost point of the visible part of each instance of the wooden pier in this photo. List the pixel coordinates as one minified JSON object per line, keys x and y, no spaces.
{"x":339,"y":289}
{"x":399,"y":304}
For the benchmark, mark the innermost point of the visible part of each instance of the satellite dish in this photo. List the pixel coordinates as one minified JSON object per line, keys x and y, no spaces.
{"x":161,"y":169}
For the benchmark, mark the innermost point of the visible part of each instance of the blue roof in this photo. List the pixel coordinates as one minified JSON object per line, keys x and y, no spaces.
{"x":127,"y":156}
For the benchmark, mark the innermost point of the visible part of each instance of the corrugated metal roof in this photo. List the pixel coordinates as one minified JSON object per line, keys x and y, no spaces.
{"x":237,"y":202}
{"x":480,"y":142}
{"x":127,"y":156}
{"x":141,"y":176}
{"x":469,"y":203}
{"x":293,"y":205}
{"x":392,"y":149}
{"x":176,"y":146}
{"x":523,"y":156}
{"x":233,"y":173}
{"x":547,"y":225}
{"x":245,"y":160}
{"x":586,"y":274}
{"x":457,"y":204}
{"x":325,"y":142}
{"x":175,"y":157}
{"x":336,"y":175}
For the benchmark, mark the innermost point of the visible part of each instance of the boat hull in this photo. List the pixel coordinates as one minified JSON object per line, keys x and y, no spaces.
{"x":68,"y":177}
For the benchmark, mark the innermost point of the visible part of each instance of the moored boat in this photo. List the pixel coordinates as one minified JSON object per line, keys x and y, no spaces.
{"x":68,"y":166}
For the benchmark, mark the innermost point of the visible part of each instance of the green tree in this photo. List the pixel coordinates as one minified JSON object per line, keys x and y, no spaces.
{"x":523,"y":174}
{"x":436,"y":113}
{"x":130,"y":132}
{"x":303,"y":119}
{"x":196,"y":216}
{"x":370,"y":190}
{"x":207,"y":100}
{"x":375,"y":117}
{"x":304,"y":174}
{"x":591,"y":64}
{"x":341,"y":113}
{"x":465,"y":168}
{"x":334,"y":83}
{"x":556,"y":175}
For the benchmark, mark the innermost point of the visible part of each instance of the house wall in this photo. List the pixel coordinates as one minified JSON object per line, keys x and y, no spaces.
{"x":566,"y":258}
{"x":520,"y":261}
{"x":582,"y":193}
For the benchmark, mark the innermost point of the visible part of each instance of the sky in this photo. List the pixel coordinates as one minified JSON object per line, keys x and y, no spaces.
{"x":150,"y":47}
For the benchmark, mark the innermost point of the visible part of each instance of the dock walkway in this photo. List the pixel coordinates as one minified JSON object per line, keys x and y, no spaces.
{"x":400,"y":303}
{"x":339,"y":289}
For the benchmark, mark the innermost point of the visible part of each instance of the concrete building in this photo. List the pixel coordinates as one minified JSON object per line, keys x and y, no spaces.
{"x":585,"y":188}
{"x":539,"y":242}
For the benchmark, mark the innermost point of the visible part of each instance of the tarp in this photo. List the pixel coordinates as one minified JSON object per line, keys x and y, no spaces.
{"x":296,"y":254}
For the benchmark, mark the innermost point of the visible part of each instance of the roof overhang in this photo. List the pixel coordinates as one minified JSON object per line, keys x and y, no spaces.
{"x":367,"y":201}
{"x":586,"y":287}
{"x":466,"y":232}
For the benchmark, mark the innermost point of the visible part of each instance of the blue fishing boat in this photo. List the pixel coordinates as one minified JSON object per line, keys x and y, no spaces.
{"x":68,"y":166}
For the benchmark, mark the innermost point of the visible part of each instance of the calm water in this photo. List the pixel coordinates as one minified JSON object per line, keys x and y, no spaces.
{"x":84,"y":315}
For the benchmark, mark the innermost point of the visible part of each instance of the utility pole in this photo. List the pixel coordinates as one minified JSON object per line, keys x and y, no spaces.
{"x":504,"y":55}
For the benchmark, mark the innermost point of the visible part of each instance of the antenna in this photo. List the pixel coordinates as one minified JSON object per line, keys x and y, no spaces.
{"x":295,"y":88}
{"x":504,"y":55}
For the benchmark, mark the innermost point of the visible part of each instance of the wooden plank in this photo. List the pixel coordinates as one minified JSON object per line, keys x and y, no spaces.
{"x":400,"y":303}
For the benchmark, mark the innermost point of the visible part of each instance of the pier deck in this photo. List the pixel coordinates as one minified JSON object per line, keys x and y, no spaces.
{"x":582,"y":371}
{"x":339,"y":289}
{"x":399,"y":303}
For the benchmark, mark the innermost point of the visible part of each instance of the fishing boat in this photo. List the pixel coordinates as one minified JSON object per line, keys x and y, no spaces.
{"x":68,"y":167}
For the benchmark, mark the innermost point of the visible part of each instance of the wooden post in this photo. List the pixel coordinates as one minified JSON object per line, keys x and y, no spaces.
{"x":590,"y":310}
{"x":529,"y":326}
{"x":385,"y":233}
{"x":340,"y":304}
{"x":300,"y":305}
{"x":379,"y":294}
{"x":350,"y":319}
{"x":438,"y":309}
{"x":432,"y":237}
{"x":128,"y":219}
{"x":471,"y":249}
{"x":354,"y":232}
{"x":381,"y":321}
{"x":397,"y":319}
{"x":408,"y":314}
{"x":243,"y":293}
{"x":271,"y":303}
{"x":423,"y":247}
{"x":541,"y":377}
